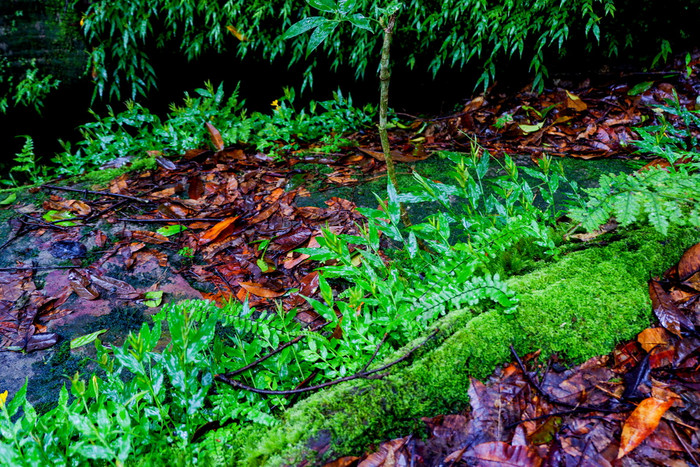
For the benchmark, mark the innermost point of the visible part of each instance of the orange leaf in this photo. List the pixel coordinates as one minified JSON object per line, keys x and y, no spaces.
{"x":220,"y":229}
{"x":215,"y":136}
{"x":237,"y":33}
{"x":651,"y":337}
{"x":259,"y":290}
{"x":641,"y":423}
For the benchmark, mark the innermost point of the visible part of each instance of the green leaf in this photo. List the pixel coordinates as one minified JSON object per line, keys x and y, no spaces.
{"x":304,"y":25}
{"x":323,"y":5}
{"x":531,"y":128}
{"x":10,"y":199}
{"x":346,"y":6}
{"x":85,"y":339}
{"x":169,"y":230}
{"x":54,"y":216}
{"x":154,"y":298}
{"x":320,"y":34}
{"x":640,"y":88}
{"x":360,"y":21}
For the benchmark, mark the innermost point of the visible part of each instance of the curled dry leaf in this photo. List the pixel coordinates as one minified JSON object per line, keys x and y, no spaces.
{"x":641,"y":423}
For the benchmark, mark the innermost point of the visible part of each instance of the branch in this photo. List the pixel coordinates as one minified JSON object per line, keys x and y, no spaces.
{"x":183,"y":220}
{"x":362,"y":374}
{"x":279,"y":348}
{"x":99,"y":193}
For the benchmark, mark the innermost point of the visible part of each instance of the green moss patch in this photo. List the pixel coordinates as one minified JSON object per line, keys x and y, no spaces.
{"x":578,"y":307}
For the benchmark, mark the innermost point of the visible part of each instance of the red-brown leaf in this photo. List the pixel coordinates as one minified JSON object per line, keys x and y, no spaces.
{"x":215,"y":136}
{"x":689,"y":263}
{"x":670,"y":316}
{"x":221,"y":229}
{"x":641,"y":423}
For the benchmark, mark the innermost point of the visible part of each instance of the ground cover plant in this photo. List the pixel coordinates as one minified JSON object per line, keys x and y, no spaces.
{"x":350,"y":309}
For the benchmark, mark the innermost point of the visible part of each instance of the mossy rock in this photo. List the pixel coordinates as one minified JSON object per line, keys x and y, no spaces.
{"x":578,"y":307}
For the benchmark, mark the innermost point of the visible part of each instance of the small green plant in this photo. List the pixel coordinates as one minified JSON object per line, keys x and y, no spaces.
{"x":27,"y":165}
{"x":30,"y":91}
{"x":186,"y":252}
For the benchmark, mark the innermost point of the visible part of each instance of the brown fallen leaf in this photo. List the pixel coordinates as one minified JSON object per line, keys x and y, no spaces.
{"x":651,"y":337}
{"x":259,"y":290}
{"x":689,"y":263}
{"x":670,"y":315}
{"x":396,"y":155}
{"x":215,"y":137}
{"x":389,"y":454}
{"x":221,"y":229}
{"x":498,"y":453}
{"x":81,"y":285}
{"x":641,"y":423}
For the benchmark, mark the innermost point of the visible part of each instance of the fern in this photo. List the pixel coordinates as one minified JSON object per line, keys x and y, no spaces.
{"x":656,"y":196}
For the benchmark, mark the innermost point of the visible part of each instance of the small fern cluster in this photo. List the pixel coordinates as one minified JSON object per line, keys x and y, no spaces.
{"x":655,"y":196}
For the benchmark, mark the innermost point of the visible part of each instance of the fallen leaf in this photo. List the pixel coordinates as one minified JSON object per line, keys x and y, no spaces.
{"x":221,"y":229}
{"x":215,"y":137}
{"x":259,"y":290}
{"x":651,"y":337}
{"x":574,"y":102}
{"x":670,"y":316}
{"x":641,"y":423}
{"x":689,"y":263}
{"x":498,"y":453}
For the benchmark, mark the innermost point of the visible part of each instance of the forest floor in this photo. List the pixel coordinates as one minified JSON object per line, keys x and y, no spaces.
{"x":79,"y":259}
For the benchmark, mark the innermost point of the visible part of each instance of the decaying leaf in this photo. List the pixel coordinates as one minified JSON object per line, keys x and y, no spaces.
{"x":215,"y":137}
{"x":670,"y":315}
{"x":259,"y":290}
{"x":641,"y":423}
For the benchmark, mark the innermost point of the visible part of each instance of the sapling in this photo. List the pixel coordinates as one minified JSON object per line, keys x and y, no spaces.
{"x":343,"y":11}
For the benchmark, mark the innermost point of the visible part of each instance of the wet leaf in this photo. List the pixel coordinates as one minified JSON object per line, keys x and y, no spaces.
{"x":221,"y":229}
{"x":689,"y":263}
{"x":259,"y":290}
{"x":651,"y":337}
{"x":640,"y":88}
{"x":86,"y":339}
{"x":215,"y":137}
{"x":55,"y":216}
{"x":389,"y":454}
{"x":170,"y":230}
{"x":154,"y":298}
{"x":67,"y":249}
{"x":10,"y":199}
{"x":121,"y":288}
{"x":641,"y":423}
{"x":41,"y":341}
{"x":574,"y":102}
{"x":670,"y":316}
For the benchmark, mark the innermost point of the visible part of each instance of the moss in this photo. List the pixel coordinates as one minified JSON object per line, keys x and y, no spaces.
{"x":578,"y":307}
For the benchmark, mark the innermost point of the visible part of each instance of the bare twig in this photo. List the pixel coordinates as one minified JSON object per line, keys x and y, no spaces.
{"x":683,"y":443}
{"x":279,"y":348}
{"x":184,"y":220}
{"x":376,"y":351}
{"x":363,"y":375}
{"x":99,"y":193}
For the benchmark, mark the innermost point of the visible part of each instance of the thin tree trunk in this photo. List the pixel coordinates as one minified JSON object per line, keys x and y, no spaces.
{"x":384,"y":78}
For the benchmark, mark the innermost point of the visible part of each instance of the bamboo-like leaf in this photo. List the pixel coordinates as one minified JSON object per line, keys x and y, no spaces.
{"x":86,"y":339}
{"x":320,"y":34}
{"x":304,"y":25}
